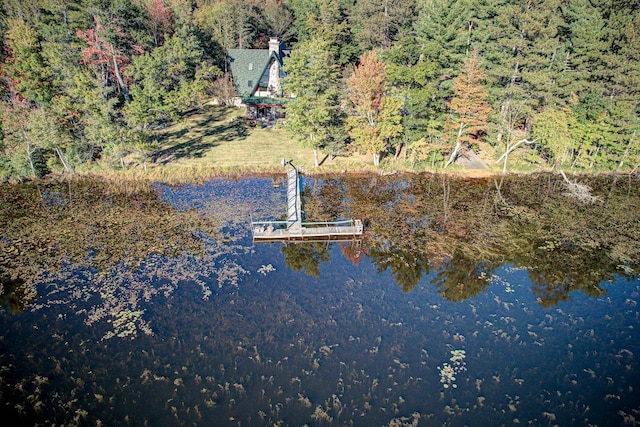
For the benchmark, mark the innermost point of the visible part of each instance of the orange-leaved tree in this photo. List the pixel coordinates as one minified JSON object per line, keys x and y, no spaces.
{"x":159,"y":21}
{"x":375,"y":117}
{"x":469,"y":107}
{"x":103,"y":53}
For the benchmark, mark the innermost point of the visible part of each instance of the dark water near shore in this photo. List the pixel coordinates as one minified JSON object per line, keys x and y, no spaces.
{"x":467,"y":302}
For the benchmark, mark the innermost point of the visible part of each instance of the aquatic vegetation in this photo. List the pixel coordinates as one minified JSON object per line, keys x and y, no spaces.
{"x":200,"y":326}
{"x":264,"y":269}
{"x":321,"y":415}
{"x":449,"y":371}
{"x":411,"y":421}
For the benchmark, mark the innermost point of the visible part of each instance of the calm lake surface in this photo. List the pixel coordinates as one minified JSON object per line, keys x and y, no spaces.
{"x":466,"y":302}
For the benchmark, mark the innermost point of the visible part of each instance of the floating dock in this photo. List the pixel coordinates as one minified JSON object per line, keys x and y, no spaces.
{"x":294,"y":229}
{"x":334,"y":230}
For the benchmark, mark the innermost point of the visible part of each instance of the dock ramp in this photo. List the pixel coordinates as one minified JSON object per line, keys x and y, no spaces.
{"x":294,"y":228}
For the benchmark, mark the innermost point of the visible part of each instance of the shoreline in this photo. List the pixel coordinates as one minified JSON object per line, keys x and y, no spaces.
{"x":191,"y":175}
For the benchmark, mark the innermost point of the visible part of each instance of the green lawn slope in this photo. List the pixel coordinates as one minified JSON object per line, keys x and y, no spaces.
{"x":218,"y":141}
{"x":218,"y":138}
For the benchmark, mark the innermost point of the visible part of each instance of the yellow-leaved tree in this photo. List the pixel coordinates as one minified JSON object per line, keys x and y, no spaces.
{"x":375,"y":117}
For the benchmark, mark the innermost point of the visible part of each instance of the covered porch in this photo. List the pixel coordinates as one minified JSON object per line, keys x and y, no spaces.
{"x":265,"y":110}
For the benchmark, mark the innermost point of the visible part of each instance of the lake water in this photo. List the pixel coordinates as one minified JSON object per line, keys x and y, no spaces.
{"x":466,"y":302}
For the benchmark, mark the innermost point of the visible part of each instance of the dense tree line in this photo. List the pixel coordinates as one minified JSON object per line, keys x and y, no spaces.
{"x":550,"y":82}
{"x":542,"y":83}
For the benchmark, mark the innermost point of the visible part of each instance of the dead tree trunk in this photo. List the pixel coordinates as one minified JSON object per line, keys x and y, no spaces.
{"x":116,"y":70}
{"x":456,"y":150}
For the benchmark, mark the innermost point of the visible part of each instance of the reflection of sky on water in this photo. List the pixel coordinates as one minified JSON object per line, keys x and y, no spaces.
{"x":279,"y":346}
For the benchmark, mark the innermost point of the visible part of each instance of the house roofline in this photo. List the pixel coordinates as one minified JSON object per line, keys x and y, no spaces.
{"x":266,"y":67}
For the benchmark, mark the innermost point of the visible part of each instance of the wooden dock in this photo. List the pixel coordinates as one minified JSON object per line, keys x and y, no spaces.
{"x":296,"y":230}
{"x":280,"y":230}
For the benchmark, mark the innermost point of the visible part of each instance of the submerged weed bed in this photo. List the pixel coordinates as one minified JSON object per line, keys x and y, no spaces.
{"x":464,"y":303}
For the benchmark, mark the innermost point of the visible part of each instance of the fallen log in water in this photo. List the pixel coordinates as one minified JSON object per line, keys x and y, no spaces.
{"x":579,"y":191}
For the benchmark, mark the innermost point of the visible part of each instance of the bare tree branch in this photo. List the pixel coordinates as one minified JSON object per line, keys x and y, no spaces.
{"x":514,"y":146}
{"x":579,"y":191}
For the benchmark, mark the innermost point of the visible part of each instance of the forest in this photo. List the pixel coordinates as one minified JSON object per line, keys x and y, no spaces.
{"x":522,"y":83}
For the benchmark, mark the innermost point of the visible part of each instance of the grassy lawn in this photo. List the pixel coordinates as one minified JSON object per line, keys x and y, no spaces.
{"x":216,"y":137}
{"x":215,"y":140}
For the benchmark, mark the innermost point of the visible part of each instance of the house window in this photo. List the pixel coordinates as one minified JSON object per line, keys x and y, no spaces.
{"x":250,"y":84}
{"x":250,"y":66}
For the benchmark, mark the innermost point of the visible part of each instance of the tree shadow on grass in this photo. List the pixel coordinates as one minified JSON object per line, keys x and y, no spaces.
{"x":199,"y":136}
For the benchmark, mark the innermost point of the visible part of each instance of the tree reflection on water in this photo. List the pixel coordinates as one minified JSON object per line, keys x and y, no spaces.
{"x":454,"y":231}
{"x":306,"y":256}
{"x":462,"y":230}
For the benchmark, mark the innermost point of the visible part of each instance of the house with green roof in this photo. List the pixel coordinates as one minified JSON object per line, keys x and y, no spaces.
{"x":257,"y":75}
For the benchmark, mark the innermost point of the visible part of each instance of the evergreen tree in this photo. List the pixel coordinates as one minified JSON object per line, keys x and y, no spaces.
{"x":584,"y":62}
{"x":96,"y":122}
{"x":377,"y":23}
{"x":25,"y":66}
{"x":170,"y":79}
{"x":327,"y":20}
{"x":520,"y":43}
{"x":412,"y":78}
{"x":444,"y":31}
{"x":623,"y":79}
{"x":305,"y":11}
{"x":314,"y":115}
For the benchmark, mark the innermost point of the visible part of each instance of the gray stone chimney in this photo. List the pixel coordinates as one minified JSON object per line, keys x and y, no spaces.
{"x":274,"y":46}
{"x":274,"y":88}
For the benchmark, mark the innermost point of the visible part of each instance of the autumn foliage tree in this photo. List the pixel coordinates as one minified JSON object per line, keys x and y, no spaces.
{"x":104,"y":54}
{"x":160,"y":21}
{"x":375,"y":117}
{"x":469,"y":107}
{"x":563,"y":76}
